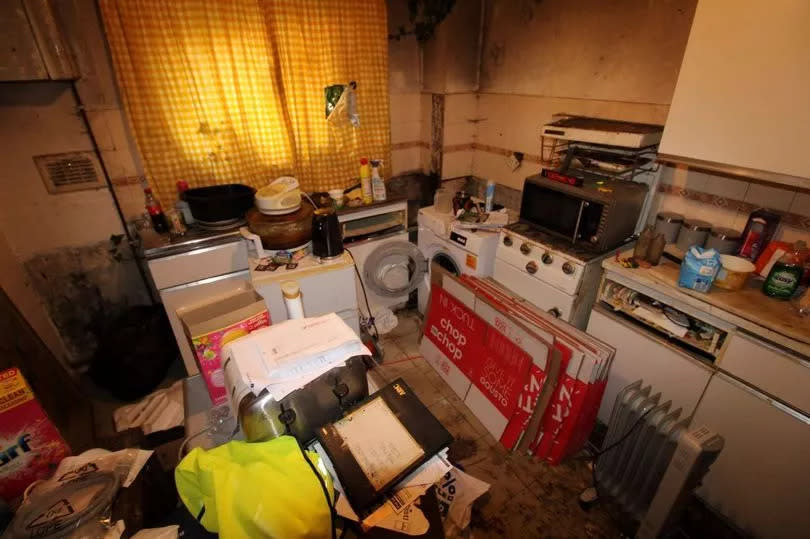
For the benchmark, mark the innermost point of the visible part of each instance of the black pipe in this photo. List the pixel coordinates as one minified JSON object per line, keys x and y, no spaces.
{"x":130,"y":240}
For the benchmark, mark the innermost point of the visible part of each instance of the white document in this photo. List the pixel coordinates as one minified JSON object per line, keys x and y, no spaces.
{"x":379,"y":442}
{"x":286,"y":356}
{"x":409,"y":489}
{"x":398,"y":513}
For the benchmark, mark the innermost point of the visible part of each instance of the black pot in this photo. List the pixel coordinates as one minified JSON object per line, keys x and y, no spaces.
{"x":219,"y":202}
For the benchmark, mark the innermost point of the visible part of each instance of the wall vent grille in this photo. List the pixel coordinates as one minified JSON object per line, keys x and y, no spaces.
{"x":75,"y":171}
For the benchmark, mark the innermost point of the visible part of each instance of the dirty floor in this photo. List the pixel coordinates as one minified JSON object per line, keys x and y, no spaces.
{"x":527,"y":497}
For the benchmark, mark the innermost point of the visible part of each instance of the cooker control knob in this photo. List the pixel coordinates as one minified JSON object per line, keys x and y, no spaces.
{"x":547,"y":258}
{"x":555,"y":312}
{"x":531,"y":267}
{"x":568,"y":268}
{"x":507,"y":240}
{"x":525,"y":248}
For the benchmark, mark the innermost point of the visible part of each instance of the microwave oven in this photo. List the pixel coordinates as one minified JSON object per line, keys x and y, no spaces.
{"x":597,"y":215}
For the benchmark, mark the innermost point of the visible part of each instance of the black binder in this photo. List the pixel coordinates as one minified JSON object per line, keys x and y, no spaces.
{"x":423,"y":427}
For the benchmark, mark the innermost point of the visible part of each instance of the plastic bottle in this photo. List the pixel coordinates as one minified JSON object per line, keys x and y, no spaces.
{"x":377,"y":183}
{"x":292,"y":299}
{"x":786,"y":274}
{"x":365,"y":181}
{"x":181,"y":205}
{"x":489,"y":197}
{"x":758,"y":231}
{"x":159,"y":222}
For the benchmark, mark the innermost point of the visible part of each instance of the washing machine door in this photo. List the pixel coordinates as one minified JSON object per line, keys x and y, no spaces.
{"x":394,"y":269}
{"x":445,"y":260}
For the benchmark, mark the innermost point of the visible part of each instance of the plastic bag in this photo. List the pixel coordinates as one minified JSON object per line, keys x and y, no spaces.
{"x":699,"y":268}
{"x":456,"y":492}
{"x":341,"y":104}
{"x":76,"y":501}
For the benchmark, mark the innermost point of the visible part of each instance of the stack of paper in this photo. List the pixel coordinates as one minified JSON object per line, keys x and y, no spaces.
{"x":398,"y":513}
{"x":286,"y":356}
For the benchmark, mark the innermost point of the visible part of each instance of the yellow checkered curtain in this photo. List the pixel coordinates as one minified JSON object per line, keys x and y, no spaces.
{"x":232,"y":91}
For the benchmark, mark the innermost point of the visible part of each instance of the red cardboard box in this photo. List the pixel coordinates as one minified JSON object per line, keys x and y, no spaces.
{"x":454,"y":339}
{"x":30,"y":445}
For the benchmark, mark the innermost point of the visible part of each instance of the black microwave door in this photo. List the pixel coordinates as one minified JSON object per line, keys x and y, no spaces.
{"x":559,"y":212}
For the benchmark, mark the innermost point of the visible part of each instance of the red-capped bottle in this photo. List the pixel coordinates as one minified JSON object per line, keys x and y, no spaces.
{"x":159,"y":222}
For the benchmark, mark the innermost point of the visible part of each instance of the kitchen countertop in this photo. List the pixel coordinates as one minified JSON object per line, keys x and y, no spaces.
{"x":156,"y":245}
{"x":774,"y":320}
{"x":389,"y":201}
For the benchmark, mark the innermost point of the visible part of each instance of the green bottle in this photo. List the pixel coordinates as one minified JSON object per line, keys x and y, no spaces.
{"x":785,"y":275}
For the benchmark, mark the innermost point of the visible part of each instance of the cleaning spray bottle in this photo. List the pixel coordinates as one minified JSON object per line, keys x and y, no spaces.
{"x":365,"y":181}
{"x":377,"y":183}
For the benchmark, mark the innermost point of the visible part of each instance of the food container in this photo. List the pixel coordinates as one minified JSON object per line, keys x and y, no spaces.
{"x":337,"y":196}
{"x":211,"y":326}
{"x":693,"y":232}
{"x":282,"y":231}
{"x":669,"y":224}
{"x":725,"y":241}
{"x":443,"y":200}
{"x":699,"y":268}
{"x":733,"y":273}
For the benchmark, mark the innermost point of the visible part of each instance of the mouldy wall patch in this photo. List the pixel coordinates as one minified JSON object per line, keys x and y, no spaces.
{"x":84,"y":288}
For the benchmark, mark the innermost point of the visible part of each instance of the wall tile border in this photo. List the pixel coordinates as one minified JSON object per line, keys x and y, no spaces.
{"x":128,"y":180}
{"x":410,"y":144}
{"x":790,"y":219}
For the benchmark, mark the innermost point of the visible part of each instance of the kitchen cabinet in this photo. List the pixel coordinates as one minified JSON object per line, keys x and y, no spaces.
{"x":198,"y":264}
{"x":740,"y":104}
{"x":761,"y":479}
{"x":32,"y":45}
{"x":678,"y":376}
{"x":769,"y":368}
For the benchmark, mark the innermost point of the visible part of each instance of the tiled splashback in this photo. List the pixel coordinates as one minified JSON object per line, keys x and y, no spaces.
{"x":505,"y":196}
{"x":726,"y":201}
{"x":478,"y":132}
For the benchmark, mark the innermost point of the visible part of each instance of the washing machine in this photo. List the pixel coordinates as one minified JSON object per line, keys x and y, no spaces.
{"x":389,"y":266}
{"x":458,"y":250}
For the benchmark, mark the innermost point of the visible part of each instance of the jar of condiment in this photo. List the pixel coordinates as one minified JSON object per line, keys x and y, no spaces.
{"x":669,"y":224}
{"x":693,"y":232}
{"x":643,"y":243}
{"x":656,"y":249}
{"x":725,"y":241}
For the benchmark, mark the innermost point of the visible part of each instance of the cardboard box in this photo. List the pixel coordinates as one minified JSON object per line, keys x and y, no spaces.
{"x":453,"y":339}
{"x":211,"y":326}
{"x":30,"y":445}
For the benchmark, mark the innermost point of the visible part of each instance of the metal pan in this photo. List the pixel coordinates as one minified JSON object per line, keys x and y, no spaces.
{"x":219,"y":202}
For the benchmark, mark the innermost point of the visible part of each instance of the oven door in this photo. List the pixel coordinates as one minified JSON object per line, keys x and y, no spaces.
{"x":534,"y":290}
{"x":561,"y":213}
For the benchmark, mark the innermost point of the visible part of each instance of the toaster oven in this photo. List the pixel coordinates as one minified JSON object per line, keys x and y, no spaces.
{"x":597,"y":215}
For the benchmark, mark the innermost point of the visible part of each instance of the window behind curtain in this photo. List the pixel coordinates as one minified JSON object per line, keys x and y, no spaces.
{"x":233,"y":91}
